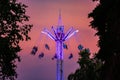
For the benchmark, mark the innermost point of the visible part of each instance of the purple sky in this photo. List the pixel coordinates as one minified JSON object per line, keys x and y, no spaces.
{"x":44,"y":13}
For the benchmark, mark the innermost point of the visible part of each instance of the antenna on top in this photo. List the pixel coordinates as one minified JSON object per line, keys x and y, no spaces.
{"x":60,"y":19}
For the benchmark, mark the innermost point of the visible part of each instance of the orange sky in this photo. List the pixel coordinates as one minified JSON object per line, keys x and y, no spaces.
{"x":44,"y":13}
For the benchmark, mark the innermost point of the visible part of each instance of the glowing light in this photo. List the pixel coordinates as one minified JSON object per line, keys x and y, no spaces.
{"x":59,"y":37}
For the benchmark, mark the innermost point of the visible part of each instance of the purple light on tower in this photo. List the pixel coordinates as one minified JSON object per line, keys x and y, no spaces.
{"x":59,"y":37}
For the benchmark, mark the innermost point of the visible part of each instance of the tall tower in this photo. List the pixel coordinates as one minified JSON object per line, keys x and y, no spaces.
{"x":59,"y":50}
{"x":59,"y":37}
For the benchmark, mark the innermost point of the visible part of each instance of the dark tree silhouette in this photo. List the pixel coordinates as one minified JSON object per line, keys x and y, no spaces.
{"x":12,"y":30}
{"x":106,"y":20}
{"x":89,"y":67}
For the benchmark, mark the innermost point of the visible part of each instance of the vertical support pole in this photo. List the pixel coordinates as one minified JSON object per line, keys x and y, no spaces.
{"x":59,"y":37}
{"x":59,"y":63}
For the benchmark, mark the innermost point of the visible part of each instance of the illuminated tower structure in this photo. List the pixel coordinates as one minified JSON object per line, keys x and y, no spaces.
{"x":59,"y":37}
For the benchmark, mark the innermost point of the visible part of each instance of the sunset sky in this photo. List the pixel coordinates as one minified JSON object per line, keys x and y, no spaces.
{"x":44,"y":14}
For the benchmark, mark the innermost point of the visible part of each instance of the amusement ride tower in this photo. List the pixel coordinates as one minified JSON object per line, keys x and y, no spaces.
{"x":59,"y":37}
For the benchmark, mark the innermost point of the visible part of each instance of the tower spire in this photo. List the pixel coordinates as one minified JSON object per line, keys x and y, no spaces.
{"x":59,"y":37}
{"x":60,"y":19}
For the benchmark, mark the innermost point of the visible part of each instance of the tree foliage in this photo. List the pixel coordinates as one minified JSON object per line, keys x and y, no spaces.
{"x":12,"y":30}
{"x":106,"y":20}
{"x":90,"y":68}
